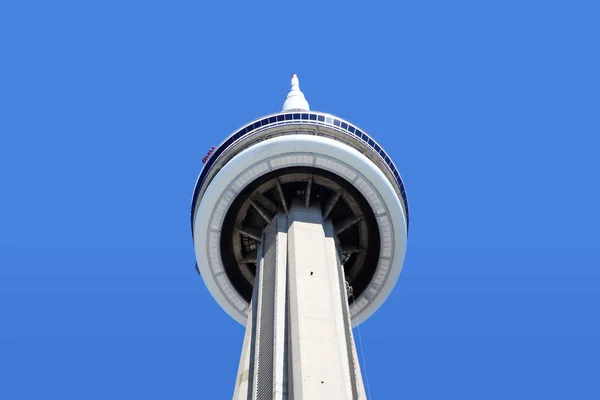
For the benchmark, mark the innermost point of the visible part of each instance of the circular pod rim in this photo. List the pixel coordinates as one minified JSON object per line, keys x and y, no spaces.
{"x":305,"y":144}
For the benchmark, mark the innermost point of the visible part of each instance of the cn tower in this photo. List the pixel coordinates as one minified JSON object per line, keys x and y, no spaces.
{"x":300,"y":222}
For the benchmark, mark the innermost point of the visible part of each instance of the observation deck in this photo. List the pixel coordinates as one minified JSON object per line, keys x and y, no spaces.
{"x":312,"y":158}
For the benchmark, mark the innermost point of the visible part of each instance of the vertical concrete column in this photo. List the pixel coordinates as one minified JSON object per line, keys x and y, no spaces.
{"x":357,"y":386}
{"x":245,"y":369}
{"x":320,"y":367}
{"x":280,"y":370}
{"x":262,"y":373}
{"x":298,"y":342}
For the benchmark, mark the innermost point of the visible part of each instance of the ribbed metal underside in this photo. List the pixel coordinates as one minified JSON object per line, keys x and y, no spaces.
{"x":339,"y":201}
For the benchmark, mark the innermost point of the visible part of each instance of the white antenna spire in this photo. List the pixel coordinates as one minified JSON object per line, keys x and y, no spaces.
{"x":295,"y":99}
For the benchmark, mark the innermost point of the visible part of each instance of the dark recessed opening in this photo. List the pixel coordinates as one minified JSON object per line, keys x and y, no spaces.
{"x":359,"y":259}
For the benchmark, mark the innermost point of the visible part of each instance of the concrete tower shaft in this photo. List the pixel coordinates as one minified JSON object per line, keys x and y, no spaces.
{"x":298,"y":341}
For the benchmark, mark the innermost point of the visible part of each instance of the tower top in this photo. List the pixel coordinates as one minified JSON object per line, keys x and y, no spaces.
{"x":295,"y":99}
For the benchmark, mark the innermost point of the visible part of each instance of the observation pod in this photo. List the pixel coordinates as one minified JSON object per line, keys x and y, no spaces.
{"x":289,"y":160}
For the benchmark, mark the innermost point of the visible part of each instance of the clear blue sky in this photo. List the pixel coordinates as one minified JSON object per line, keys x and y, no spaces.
{"x":489,"y":108}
